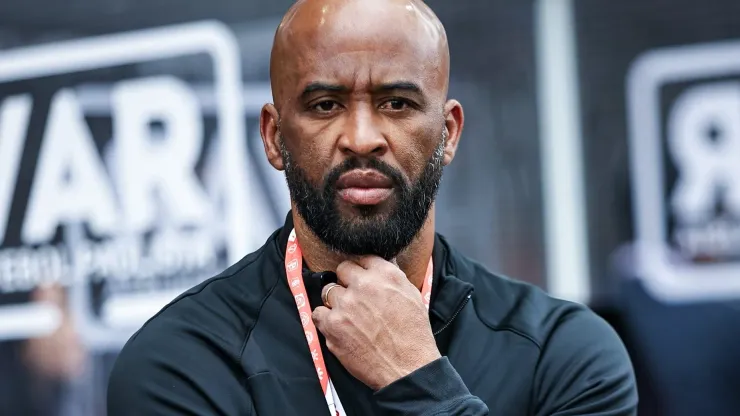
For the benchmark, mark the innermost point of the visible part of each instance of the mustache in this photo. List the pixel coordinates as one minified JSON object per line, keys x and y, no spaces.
{"x":353,"y":163}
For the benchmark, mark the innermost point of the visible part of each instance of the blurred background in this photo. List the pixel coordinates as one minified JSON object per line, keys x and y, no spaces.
{"x":600,"y":161}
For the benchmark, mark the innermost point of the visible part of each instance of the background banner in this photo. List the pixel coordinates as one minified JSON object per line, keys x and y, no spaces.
{"x":660,"y":116}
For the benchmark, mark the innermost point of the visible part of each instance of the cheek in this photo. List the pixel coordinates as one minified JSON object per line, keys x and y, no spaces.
{"x":308,"y":150}
{"x":313,"y":160}
{"x":416,"y":149}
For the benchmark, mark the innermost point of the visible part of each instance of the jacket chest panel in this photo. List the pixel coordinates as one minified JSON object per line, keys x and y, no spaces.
{"x":496,"y":366}
{"x":283,"y":396}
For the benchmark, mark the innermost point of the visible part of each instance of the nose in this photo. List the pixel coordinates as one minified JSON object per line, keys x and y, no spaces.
{"x":361,"y":135}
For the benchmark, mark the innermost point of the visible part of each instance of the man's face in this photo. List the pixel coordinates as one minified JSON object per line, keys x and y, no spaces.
{"x":361,"y":127}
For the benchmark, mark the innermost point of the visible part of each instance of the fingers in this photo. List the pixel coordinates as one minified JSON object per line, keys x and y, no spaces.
{"x":375,"y":262}
{"x":332,"y":294}
{"x":320,"y":316}
{"x":328,"y":321}
{"x":349,"y":272}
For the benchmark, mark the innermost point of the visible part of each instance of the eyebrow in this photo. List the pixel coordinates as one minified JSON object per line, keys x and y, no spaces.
{"x":400,"y":86}
{"x":320,"y":86}
{"x":392,"y":86}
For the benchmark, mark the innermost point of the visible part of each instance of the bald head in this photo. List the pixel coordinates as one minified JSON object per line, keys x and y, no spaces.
{"x":314,"y":34}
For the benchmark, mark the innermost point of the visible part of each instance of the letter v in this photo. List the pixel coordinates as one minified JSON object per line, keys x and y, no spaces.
{"x":15,"y":112}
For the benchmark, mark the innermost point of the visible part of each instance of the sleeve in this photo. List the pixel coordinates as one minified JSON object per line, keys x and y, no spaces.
{"x":166,"y":370}
{"x":433,"y":390}
{"x":584,"y":370}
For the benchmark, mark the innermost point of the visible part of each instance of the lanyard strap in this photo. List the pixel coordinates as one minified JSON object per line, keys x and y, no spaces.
{"x":294,"y":271}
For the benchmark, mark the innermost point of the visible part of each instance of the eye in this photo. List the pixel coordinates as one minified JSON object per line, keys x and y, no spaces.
{"x":326,"y":106}
{"x":395,"y":104}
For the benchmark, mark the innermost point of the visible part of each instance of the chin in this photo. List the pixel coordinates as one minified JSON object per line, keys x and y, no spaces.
{"x":364,"y":214}
{"x":351,"y":212}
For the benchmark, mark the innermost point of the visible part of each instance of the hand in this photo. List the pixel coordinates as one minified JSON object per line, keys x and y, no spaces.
{"x":376,"y":323}
{"x":59,"y":355}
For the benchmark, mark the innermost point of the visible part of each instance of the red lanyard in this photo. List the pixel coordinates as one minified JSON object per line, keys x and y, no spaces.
{"x":294,"y":271}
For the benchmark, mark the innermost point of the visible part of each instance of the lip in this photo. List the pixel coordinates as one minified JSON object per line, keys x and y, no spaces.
{"x":360,"y":178}
{"x":364,"y":187}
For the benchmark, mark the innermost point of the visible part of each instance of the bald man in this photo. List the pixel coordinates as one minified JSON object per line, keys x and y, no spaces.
{"x":356,"y":306}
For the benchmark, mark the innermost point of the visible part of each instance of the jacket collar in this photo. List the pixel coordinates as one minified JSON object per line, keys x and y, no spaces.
{"x":448,"y":292}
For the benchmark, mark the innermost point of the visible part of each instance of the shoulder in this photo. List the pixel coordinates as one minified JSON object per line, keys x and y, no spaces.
{"x":503,"y":303}
{"x":215,"y":316}
{"x":581,"y":357}
{"x":189,"y":354}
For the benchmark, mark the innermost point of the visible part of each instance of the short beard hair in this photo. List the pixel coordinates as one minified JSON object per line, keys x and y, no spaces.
{"x":370,"y":233}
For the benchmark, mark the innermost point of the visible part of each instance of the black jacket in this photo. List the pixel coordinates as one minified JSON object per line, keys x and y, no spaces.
{"x":234,"y":345}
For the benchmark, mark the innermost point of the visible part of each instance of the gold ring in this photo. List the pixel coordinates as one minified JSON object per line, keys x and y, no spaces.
{"x":326,"y":295}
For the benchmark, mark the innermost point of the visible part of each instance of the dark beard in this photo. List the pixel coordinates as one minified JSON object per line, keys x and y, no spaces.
{"x":370,"y":233}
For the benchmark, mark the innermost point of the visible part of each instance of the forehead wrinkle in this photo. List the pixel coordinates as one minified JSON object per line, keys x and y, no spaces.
{"x":313,"y":29}
{"x":368,"y":76}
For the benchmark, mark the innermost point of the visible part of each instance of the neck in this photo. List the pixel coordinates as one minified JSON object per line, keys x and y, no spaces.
{"x":413,"y":260}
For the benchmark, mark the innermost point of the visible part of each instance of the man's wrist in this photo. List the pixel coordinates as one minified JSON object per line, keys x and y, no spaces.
{"x":435,"y":389}
{"x":415,"y":363}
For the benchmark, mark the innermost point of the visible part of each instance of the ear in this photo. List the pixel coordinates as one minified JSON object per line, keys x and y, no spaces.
{"x":269,"y":120}
{"x":454,"y":121}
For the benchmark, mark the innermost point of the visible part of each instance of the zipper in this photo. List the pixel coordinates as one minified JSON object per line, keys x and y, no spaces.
{"x":459,"y":309}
